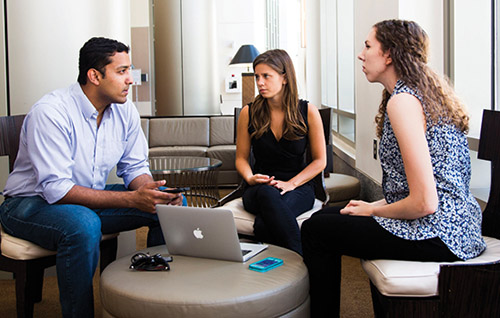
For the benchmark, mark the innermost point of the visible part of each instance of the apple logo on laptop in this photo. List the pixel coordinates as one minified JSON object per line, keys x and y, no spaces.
{"x":198,"y":233}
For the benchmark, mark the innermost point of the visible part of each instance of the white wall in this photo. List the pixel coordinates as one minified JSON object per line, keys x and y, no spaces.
{"x":239,"y":22}
{"x":139,"y":18}
{"x":368,"y":95}
{"x":313,"y":53}
{"x":472,"y":53}
{"x":44,"y":38}
{"x":139,"y":13}
{"x":429,"y":15}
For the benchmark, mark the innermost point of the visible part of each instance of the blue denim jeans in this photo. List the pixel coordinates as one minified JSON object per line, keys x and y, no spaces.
{"x":74,"y":231}
{"x":275,"y":214}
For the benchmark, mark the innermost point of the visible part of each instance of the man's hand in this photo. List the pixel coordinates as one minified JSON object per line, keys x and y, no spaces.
{"x":147,"y":196}
{"x":143,"y":195}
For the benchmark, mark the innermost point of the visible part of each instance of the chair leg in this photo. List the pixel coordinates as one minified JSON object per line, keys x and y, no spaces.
{"x":108,"y":252}
{"x":35,"y":283}
{"x":377,"y":304}
{"x":24,"y":299}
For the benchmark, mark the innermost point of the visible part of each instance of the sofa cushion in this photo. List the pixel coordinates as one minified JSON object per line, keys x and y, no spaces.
{"x":189,"y":131}
{"x":342,"y":188}
{"x":226,"y":154}
{"x":418,"y":279}
{"x":190,"y":151}
{"x":244,"y":220}
{"x":222,"y":130}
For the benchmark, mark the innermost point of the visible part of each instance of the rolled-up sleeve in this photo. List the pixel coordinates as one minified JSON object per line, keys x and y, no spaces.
{"x":48,"y":145}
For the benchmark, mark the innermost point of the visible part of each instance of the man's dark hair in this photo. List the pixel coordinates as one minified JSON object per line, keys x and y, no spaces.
{"x":96,"y":53}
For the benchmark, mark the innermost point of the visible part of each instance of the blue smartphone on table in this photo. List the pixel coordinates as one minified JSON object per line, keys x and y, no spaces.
{"x":266,"y":264}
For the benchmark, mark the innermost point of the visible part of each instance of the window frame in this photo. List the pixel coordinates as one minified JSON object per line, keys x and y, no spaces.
{"x":331,"y":90}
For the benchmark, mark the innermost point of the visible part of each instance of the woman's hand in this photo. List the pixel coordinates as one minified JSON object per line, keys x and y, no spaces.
{"x":261,"y":179}
{"x":359,"y":208}
{"x":284,"y":186}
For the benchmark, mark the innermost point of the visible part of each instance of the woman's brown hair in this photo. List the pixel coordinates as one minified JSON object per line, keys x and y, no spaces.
{"x":408,"y":44}
{"x":294,"y":126}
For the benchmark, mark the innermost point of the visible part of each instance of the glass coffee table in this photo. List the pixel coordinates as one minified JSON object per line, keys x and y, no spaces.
{"x":198,"y":173}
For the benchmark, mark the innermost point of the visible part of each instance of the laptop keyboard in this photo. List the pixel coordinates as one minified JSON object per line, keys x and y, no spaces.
{"x":245,"y":252}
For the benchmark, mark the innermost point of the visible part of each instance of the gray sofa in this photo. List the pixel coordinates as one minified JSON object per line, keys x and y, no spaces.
{"x":195,"y":136}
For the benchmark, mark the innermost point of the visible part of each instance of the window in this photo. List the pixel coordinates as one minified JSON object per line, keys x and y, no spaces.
{"x":469,"y":67}
{"x":284,"y":31}
{"x":338,"y":58}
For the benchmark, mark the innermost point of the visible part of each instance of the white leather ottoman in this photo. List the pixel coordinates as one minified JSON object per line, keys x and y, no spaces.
{"x":197,"y":287}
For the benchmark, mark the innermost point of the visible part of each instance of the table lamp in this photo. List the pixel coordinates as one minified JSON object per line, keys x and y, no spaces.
{"x":245,"y":55}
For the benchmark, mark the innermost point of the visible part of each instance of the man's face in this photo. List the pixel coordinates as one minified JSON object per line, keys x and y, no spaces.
{"x":113,"y":87}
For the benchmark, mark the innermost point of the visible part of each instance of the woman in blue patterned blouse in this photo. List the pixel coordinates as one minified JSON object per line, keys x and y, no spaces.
{"x":428,"y":212}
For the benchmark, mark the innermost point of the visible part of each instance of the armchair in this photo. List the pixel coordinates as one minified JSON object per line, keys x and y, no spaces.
{"x":26,"y":260}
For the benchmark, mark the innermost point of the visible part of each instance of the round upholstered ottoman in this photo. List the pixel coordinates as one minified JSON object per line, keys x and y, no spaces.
{"x":198,"y":287}
{"x":342,"y":188}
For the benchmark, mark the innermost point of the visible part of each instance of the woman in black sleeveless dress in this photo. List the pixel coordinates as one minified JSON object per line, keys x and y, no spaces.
{"x":279,"y":127}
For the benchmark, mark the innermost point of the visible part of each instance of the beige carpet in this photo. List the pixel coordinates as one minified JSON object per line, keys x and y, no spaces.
{"x":355,"y":301}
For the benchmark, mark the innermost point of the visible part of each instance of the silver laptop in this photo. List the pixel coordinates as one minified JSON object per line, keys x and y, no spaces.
{"x":204,"y":232}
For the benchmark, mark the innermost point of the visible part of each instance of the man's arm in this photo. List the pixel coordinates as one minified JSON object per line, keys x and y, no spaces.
{"x":140,"y":181}
{"x":143,"y":196}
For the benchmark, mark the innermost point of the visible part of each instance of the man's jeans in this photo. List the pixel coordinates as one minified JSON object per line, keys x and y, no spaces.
{"x":75,"y":232}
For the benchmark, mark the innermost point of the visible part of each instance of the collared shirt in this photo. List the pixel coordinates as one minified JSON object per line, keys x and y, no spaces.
{"x":61,"y":146}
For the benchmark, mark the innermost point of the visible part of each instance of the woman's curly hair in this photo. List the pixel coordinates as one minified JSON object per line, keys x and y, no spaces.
{"x":408,"y":44}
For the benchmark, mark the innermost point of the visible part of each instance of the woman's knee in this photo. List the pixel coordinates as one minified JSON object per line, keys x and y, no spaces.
{"x":316,"y":224}
{"x":267,"y":191}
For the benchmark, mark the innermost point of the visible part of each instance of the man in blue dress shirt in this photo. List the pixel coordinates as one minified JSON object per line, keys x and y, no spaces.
{"x":57,"y":196}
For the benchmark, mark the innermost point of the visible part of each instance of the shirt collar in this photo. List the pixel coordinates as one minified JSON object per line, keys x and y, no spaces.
{"x":82,"y":101}
{"x":398,"y":85}
{"x":86,"y":107}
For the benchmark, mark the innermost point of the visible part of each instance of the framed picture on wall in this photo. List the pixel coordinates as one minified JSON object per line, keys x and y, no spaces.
{"x":233,"y":83}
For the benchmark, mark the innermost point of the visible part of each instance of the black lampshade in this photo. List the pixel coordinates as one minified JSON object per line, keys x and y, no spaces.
{"x":245,"y":55}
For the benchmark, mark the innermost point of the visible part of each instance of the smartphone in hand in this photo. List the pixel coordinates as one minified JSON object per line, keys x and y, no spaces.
{"x":176,"y":190}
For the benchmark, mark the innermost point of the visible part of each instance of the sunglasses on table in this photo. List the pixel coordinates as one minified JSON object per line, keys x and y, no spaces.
{"x":146,"y":262}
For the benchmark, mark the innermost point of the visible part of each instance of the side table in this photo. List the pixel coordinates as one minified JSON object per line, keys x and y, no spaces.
{"x":198,"y":287}
{"x":198,"y":173}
